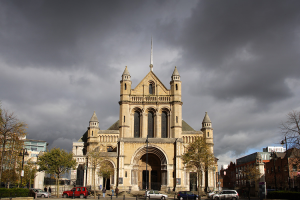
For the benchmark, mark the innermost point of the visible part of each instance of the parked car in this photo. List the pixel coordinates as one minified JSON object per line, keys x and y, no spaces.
{"x":211,"y":194}
{"x":227,"y":194}
{"x":155,"y":194}
{"x":41,"y":193}
{"x":81,"y":192}
{"x":183,"y":195}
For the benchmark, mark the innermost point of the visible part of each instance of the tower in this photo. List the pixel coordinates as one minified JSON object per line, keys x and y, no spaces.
{"x":176,"y":116}
{"x":124,"y":117}
{"x":208,"y":131}
{"x":93,"y":130}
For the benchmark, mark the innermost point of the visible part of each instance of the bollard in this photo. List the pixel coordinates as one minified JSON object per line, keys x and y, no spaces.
{"x":98,"y":196}
{"x":135,"y":197}
{"x":111,"y":196}
{"x":124,"y":197}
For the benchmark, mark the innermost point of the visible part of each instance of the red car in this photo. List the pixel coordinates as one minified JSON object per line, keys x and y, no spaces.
{"x":78,"y":192}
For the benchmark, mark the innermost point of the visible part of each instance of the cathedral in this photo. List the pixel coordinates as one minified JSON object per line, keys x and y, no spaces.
{"x":144,"y":147}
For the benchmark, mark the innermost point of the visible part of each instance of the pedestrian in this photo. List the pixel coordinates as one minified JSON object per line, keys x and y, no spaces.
{"x":103,"y":191}
{"x":117,"y":192}
{"x":112,"y":191}
{"x":45,"y":189}
{"x":49,"y":189}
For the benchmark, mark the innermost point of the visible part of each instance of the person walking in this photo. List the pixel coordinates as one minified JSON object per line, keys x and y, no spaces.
{"x":45,"y":189}
{"x":117,"y":192}
{"x":112,"y":191}
{"x":103,"y":191}
{"x":49,"y":189}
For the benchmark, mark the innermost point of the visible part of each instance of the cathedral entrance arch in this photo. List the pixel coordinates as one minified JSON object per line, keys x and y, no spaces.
{"x":156,"y":173}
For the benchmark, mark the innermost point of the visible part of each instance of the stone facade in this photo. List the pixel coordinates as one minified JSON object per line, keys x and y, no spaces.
{"x":149,"y":112}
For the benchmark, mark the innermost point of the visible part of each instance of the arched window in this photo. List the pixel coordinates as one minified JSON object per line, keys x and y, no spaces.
{"x":92,"y":133}
{"x":150,"y":88}
{"x":164,"y":125}
{"x":136,"y":124}
{"x":176,"y":87}
{"x":150,"y":125}
{"x":124,"y":118}
{"x":207,"y":134}
{"x":125,"y":86}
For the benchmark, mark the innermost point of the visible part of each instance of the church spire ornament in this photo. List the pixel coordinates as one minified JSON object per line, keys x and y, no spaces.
{"x":151,"y":57}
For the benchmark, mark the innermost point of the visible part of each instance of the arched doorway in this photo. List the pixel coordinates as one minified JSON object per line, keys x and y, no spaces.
{"x":153,"y":173}
{"x":156,"y":173}
{"x":80,"y":175}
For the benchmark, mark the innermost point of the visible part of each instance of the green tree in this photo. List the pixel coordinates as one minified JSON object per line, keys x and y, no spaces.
{"x":56,"y":161}
{"x":12,"y":131}
{"x":30,"y":172}
{"x":199,"y":156}
{"x":94,"y":158}
{"x":106,"y":170}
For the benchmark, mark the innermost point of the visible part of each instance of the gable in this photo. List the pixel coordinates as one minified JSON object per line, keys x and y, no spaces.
{"x":143,"y":87}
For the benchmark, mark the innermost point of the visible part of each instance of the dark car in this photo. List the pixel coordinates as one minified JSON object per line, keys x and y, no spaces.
{"x":78,"y":192}
{"x":183,"y":195}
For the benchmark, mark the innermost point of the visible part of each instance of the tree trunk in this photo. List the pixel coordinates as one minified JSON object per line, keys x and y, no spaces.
{"x":57,"y":185}
{"x":94,"y":182}
{"x":3,"y":152}
{"x":199,"y":183}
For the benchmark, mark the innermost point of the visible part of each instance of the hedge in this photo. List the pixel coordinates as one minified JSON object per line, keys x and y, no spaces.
{"x":14,"y":192}
{"x":283,"y":195}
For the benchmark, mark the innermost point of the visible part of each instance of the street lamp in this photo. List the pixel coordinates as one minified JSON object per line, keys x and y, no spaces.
{"x":147,"y":164}
{"x":274,"y":156}
{"x":284,"y":142}
{"x":23,"y":153}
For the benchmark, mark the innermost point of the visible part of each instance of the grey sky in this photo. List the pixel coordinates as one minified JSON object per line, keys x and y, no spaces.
{"x":62,"y":60}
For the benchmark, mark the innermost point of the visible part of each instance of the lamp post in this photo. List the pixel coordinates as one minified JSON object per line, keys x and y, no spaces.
{"x":284,"y":142}
{"x":23,"y":153}
{"x":146,"y":164}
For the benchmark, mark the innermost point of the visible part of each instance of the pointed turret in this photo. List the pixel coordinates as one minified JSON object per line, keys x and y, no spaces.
{"x":126,"y":76}
{"x":93,"y":130}
{"x":207,"y":131}
{"x":94,"y":122}
{"x":175,"y":76}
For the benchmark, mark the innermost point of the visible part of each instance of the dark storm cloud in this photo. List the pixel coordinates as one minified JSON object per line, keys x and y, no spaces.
{"x":62,"y":60}
{"x":249,"y":47}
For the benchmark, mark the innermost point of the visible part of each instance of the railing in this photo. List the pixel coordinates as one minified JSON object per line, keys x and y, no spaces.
{"x":150,"y":98}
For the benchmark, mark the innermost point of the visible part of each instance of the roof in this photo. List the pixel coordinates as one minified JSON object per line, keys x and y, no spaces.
{"x":175,"y":72}
{"x":115,"y":126}
{"x":186,"y":127}
{"x":126,"y":72}
{"x":84,"y":137}
{"x":94,"y":118}
{"x":206,"y":118}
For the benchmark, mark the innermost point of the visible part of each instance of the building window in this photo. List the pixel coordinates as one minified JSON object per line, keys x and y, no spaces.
{"x":164,"y":125}
{"x":151,"y":88}
{"x":176,"y":87}
{"x":125,"y":86}
{"x":124,"y":118}
{"x":126,"y":174}
{"x":136,"y":124}
{"x":92,"y":133}
{"x":150,"y":125}
{"x":294,"y":168}
{"x":207,"y":134}
{"x":176,"y":119}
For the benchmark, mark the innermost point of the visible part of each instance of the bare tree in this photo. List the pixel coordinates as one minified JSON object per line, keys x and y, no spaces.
{"x":95,"y":159}
{"x":291,"y":131}
{"x":11,"y":132}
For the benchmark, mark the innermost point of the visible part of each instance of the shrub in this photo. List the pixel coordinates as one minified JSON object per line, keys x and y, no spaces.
{"x":14,"y":192}
{"x":283,"y":195}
